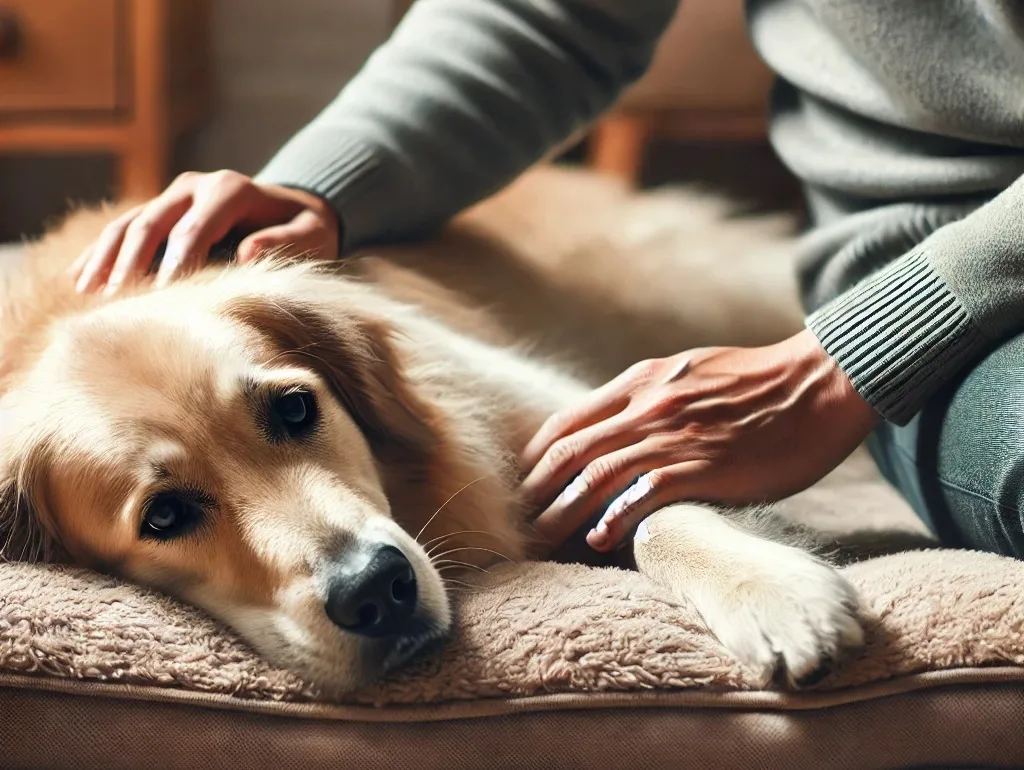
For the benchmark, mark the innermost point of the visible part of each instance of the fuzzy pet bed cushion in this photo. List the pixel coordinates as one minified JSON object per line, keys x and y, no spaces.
{"x":552,"y":666}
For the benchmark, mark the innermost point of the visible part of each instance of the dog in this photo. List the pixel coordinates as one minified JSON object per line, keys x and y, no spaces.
{"x":317,"y":456}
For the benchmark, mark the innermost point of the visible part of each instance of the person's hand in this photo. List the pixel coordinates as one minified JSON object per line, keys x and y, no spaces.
{"x":726,"y":425}
{"x":194,"y":213}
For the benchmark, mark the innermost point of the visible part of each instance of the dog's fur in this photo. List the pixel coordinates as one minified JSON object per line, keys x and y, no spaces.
{"x":424,"y":409}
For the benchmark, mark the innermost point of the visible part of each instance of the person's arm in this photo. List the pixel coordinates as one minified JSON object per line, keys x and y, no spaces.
{"x":739,"y":426}
{"x":910,"y":328}
{"x":464,"y":96}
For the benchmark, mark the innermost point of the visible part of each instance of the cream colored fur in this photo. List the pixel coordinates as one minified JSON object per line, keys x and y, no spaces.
{"x":434,"y":364}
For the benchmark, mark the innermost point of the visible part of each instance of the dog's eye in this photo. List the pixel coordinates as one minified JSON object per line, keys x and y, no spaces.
{"x":169,"y":516}
{"x":296,"y":412}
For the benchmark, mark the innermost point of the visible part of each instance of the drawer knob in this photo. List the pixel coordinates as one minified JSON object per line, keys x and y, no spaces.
{"x":10,"y":34}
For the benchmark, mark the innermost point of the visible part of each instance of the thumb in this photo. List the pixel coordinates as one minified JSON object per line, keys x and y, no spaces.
{"x":653,"y":490}
{"x":260,"y":244}
{"x":304,"y":236}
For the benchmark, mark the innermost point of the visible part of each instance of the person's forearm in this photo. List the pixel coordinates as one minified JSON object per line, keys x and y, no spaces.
{"x":904,"y":332}
{"x":465,"y":96}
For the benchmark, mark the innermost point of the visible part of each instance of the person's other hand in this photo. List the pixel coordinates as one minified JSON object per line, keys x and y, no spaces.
{"x":194,"y":213}
{"x":726,"y":425}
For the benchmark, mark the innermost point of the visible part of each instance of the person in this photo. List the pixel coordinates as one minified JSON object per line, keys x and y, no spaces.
{"x":905,"y":123}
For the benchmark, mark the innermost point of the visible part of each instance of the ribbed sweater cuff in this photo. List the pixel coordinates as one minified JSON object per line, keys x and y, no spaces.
{"x":349,"y":174}
{"x":899,"y":336}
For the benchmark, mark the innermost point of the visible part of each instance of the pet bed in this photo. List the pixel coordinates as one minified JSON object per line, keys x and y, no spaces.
{"x":552,"y":666}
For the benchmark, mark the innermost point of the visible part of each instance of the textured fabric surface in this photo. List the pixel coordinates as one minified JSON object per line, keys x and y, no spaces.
{"x":953,"y":726}
{"x":549,"y":662}
{"x":892,"y":353}
{"x":542,"y":628}
{"x":535,"y":629}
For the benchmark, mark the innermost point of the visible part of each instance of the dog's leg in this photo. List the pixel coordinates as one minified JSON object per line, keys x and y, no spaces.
{"x":775,"y":606}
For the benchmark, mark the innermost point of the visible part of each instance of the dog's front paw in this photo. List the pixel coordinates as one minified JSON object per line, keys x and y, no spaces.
{"x":790,"y":617}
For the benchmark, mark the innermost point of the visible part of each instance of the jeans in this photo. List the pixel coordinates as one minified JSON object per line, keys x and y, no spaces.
{"x":960,"y":461}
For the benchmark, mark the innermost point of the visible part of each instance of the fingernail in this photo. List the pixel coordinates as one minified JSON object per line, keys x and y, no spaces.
{"x":169,"y":266}
{"x":617,"y":506}
{"x":251,"y":251}
{"x":83,"y":283}
{"x":642,"y":488}
{"x":598,"y":537}
{"x":111,"y":289}
{"x":573,"y":492}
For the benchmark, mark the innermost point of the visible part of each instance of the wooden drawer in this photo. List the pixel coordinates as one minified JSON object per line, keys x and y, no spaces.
{"x":66,"y":58}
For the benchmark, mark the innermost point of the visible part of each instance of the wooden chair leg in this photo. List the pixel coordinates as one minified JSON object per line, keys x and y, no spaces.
{"x":617,"y":145}
{"x":141,"y":175}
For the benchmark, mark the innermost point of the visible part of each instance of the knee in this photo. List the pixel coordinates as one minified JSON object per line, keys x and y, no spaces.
{"x":980,"y":453}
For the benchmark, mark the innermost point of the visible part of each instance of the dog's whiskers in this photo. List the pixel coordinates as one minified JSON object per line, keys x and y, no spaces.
{"x":455,"y":564}
{"x":467,"y":588}
{"x":434,"y":516}
{"x":443,"y":542}
{"x":474,"y":548}
{"x":456,"y":534}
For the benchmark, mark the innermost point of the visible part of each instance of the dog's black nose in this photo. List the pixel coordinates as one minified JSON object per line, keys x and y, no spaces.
{"x":377,"y":600}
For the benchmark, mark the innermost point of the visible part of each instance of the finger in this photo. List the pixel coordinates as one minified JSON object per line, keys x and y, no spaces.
{"x":218,"y":205}
{"x":590,"y":492}
{"x":144,"y":235}
{"x":103,"y":252}
{"x":601,"y":404}
{"x":653,"y":490}
{"x":568,"y":456}
{"x":304,"y":236}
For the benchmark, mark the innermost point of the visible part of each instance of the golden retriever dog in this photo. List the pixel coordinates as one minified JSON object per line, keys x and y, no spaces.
{"x":317,"y":456}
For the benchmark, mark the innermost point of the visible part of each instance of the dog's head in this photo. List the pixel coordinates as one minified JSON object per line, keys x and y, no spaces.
{"x":246,"y":442}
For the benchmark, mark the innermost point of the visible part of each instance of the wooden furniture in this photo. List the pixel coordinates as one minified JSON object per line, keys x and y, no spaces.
{"x":706,"y":83}
{"x":125,"y":77}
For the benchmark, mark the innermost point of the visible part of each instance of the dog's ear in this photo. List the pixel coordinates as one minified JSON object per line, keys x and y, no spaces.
{"x":357,"y":357}
{"x":23,"y":533}
{"x":16,"y":534}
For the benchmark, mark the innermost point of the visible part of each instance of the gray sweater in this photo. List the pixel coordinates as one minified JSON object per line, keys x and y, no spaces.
{"x":905,"y":120}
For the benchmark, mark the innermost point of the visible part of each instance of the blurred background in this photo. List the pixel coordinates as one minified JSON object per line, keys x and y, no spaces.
{"x":100,"y":98}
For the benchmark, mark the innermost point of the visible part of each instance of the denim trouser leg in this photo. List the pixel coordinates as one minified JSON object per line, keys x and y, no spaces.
{"x":960,"y":462}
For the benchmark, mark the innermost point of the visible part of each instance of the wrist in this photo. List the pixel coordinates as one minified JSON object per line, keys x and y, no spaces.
{"x":837,"y":394}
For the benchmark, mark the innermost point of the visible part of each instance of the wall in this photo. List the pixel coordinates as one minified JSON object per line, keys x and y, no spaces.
{"x":277,"y":63}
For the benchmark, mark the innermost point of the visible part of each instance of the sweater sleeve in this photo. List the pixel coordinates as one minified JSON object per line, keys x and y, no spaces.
{"x":464,"y":96}
{"x":907,"y":330}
